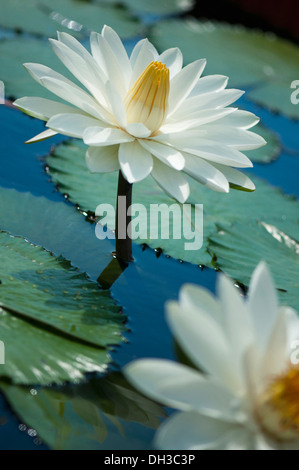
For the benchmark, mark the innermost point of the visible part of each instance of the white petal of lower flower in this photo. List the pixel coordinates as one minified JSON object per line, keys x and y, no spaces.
{"x":191,"y":431}
{"x":292,"y":330}
{"x":191,"y":297}
{"x":143,"y":54}
{"x":208,"y":84}
{"x":172,"y":181}
{"x":102,"y":159}
{"x":262,"y":301}
{"x":205,"y":173}
{"x":42,"y":136}
{"x":204,"y":341}
{"x":235,"y":177}
{"x":237,"y":325}
{"x":168,"y":155}
{"x":173,"y":60}
{"x":181,"y":387}
{"x":42,"y":108}
{"x":183,"y":83}
{"x":137,"y":129}
{"x":72,"y":125}
{"x":101,"y":136}
{"x":275,"y":357}
{"x":119,"y":51}
{"x":136,"y":163}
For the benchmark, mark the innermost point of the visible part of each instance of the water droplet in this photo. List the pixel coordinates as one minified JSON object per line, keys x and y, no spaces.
{"x":22,"y":427}
{"x":32,"y":432}
{"x":33,"y":392}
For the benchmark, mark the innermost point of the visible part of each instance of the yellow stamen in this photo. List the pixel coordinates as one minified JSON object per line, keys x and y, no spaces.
{"x":280,"y":409}
{"x":147,"y":101}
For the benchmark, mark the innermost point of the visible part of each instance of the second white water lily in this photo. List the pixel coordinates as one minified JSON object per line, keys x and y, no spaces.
{"x":246,"y":394}
{"x":146,"y":114}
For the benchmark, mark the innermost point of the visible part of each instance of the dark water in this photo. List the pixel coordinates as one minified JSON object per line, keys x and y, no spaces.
{"x":148,"y":282}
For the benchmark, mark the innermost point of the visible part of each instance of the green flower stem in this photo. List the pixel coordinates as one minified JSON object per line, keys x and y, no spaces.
{"x":123,"y":219}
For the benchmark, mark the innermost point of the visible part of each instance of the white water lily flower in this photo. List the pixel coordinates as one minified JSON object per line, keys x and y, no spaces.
{"x":247,"y":395}
{"x":145,"y":114}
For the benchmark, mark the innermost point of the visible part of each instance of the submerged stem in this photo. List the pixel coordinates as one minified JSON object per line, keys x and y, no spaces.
{"x":123,"y":219}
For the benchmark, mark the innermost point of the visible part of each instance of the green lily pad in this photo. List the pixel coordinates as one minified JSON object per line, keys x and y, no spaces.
{"x":86,"y":416}
{"x":56,"y":226}
{"x":53,"y":320}
{"x":269,"y":152}
{"x":44,"y":18}
{"x":38,"y":286}
{"x":242,"y":246}
{"x":17,"y":51}
{"x":159,"y":7}
{"x":67,"y":168}
{"x":261,"y":61}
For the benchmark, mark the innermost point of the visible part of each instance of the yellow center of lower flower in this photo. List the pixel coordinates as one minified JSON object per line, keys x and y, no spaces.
{"x":279,"y":411}
{"x":147,"y":100}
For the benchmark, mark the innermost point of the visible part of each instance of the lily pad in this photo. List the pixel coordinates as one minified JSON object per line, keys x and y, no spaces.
{"x":17,"y":51}
{"x":262,"y":61}
{"x":67,"y":168}
{"x":269,"y":152}
{"x":159,"y":7}
{"x":56,"y":226}
{"x":52,"y":319}
{"x":88,"y":416}
{"x":44,"y":18}
{"x":242,"y":246}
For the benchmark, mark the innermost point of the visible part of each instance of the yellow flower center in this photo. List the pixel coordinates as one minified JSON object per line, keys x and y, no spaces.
{"x":147,"y":100}
{"x":280,"y":406}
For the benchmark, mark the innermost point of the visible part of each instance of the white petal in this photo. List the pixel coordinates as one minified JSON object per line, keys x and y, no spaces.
{"x":173,"y":60}
{"x":274,"y":361}
{"x":208,"y":84}
{"x":203,"y":340}
{"x":211,"y":100}
{"x":101,"y":136}
{"x":235,"y":177}
{"x":72,"y":125}
{"x":240,"y":119}
{"x":42,"y":136}
{"x":119,"y":51}
{"x":262,"y":302}
{"x":142,"y":55}
{"x":183,"y":83}
{"x":241,"y":139}
{"x":116,"y":103}
{"x":136,"y":163}
{"x":82,"y":69}
{"x":195,"y":297}
{"x":102,"y":159}
{"x":215,"y":152}
{"x":137,"y":129}
{"x":205,"y":173}
{"x":171,"y":181}
{"x":180,"y":387}
{"x":191,"y":431}
{"x":165,"y":153}
{"x":105,"y":58}
{"x":195,"y":120}
{"x":74,"y":95}
{"x":236,"y":320}
{"x":42,"y":108}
